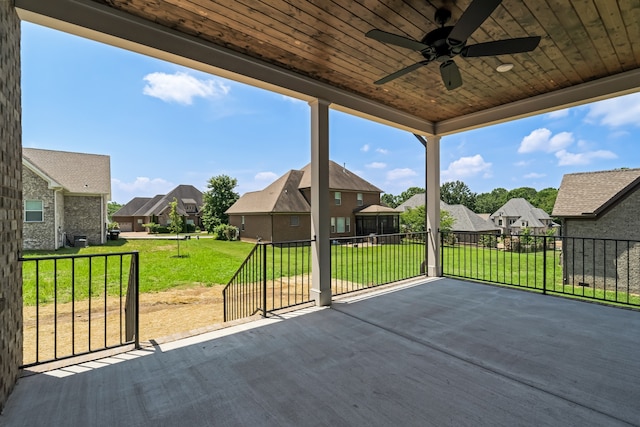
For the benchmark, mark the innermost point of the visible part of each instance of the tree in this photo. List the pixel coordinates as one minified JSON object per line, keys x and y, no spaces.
{"x":458,"y":193}
{"x":526,"y":193}
{"x":413,"y":220}
{"x":112,"y":207}
{"x":176,"y":221}
{"x":491,"y":202}
{"x":545,"y":199}
{"x":407,"y":194}
{"x":389,"y":200}
{"x":217,"y":199}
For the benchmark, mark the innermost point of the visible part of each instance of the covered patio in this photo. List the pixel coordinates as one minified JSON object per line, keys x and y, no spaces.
{"x":444,"y":352}
{"x":433,"y":352}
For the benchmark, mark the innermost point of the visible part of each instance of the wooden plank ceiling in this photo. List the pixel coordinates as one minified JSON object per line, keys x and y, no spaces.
{"x":582,"y":40}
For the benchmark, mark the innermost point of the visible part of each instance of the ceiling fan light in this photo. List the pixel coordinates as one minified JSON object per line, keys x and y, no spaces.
{"x":503,"y":68}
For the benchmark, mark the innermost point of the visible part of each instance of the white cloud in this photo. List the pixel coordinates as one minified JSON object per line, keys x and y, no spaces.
{"x":466,"y":167}
{"x":541,"y":140}
{"x":365,"y":148}
{"x":182,"y":87}
{"x":141,"y":187}
{"x":376,"y":165}
{"x":265,"y":176}
{"x":616,"y":112}
{"x":534,"y":175}
{"x":522,"y":163}
{"x":571,"y":159}
{"x":558,"y":114}
{"x":382,"y":151}
{"x":402,"y":173}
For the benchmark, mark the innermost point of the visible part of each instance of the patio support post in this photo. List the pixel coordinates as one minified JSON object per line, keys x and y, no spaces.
{"x":432,"y":200}
{"x":320,"y":216}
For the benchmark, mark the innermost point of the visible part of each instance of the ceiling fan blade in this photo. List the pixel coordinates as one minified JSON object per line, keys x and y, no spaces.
{"x":400,"y":73}
{"x":394,"y":39}
{"x":501,"y":47}
{"x":477,"y":12}
{"x":450,"y":75}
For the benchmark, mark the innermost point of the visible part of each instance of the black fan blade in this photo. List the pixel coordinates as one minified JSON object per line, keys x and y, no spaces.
{"x":450,"y":75}
{"x":501,"y":47}
{"x":477,"y":12}
{"x":394,"y":39}
{"x":400,"y":73}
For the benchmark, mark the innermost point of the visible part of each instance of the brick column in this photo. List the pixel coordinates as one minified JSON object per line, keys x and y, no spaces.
{"x":10,"y":200}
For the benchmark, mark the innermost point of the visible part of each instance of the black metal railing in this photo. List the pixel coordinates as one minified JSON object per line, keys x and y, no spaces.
{"x":367,"y":261}
{"x":272,"y":277}
{"x":79,"y":304}
{"x":606,"y":270}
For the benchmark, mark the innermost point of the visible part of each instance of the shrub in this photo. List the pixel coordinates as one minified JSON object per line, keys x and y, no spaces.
{"x":189,"y":228}
{"x":152,"y":226}
{"x":225,"y":232}
{"x":113,"y":225}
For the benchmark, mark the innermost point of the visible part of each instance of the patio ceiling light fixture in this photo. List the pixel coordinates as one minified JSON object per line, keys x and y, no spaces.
{"x":503,"y":68}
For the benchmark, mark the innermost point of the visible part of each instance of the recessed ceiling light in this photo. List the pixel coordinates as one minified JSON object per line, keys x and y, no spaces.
{"x":503,"y":68}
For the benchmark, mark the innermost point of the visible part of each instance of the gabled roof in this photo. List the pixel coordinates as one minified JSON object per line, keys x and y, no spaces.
{"x":280,"y":196}
{"x":413,"y":202}
{"x":340,"y":178}
{"x":132,"y":207}
{"x":590,"y":193}
{"x":146,"y":206}
{"x":518,"y":207}
{"x":78,"y":173}
{"x":466,"y":220}
{"x":376,"y":210}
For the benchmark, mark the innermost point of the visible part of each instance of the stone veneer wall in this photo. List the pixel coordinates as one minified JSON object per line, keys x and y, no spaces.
{"x":605,"y":264}
{"x":39,"y":235}
{"x":10,"y":200}
{"x":83,"y":216}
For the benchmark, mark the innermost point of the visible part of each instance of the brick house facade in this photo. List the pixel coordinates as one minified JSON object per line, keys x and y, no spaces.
{"x":281,"y":212}
{"x":599,"y":212}
{"x":65,"y":198}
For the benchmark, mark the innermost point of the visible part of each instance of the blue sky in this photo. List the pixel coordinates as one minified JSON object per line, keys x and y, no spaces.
{"x":165,"y":125}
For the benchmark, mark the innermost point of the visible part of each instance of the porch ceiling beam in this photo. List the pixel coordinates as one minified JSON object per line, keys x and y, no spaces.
{"x":597,"y":90}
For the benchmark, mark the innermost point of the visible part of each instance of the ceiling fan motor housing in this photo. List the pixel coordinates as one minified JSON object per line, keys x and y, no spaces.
{"x":440,"y":48}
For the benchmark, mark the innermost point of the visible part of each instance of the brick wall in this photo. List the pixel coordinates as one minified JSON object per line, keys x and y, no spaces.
{"x":611,"y":264}
{"x":83,"y":217}
{"x":10,"y":200}
{"x":39,"y":235}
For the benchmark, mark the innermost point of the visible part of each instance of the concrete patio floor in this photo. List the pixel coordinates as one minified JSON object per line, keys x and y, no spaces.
{"x":440,"y":352}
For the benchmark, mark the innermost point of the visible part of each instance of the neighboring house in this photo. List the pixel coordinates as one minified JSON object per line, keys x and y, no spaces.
{"x":65,"y":198}
{"x":145,"y":210}
{"x":466,"y":223}
{"x":518,"y":214}
{"x":282,"y":211}
{"x":595,"y":206}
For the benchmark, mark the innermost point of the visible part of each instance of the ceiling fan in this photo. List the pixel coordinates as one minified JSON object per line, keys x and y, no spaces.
{"x":446,"y":42}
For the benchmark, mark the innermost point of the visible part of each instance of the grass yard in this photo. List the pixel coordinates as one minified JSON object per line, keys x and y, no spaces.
{"x":203,"y":262}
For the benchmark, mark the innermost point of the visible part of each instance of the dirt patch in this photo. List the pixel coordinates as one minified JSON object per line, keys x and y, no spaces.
{"x":161,"y":314}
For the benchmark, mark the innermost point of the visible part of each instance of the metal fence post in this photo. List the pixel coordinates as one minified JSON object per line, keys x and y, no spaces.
{"x":264,"y":280}
{"x":136,"y":260}
{"x":544,"y":265}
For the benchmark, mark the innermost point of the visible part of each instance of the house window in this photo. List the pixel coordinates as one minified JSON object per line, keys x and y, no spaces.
{"x":525,"y":223}
{"x":333,"y":225}
{"x":512,"y":221}
{"x":294,"y":220}
{"x":338,"y":197}
{"x":190,"y":222}
{"x":33,"y":211}
{"x":347,"y":225}
{"x":242,"y":224}
{"x":500,"y":222}
{"x":360,"y":200}
{"x":139,"y":220}
{"x":340,"y":225}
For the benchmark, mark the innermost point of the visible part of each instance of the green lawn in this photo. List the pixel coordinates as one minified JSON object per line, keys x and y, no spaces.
{"x":207,"y":262}
{"x":203,"y":262}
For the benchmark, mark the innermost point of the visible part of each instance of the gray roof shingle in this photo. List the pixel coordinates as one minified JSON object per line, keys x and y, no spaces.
{"x":589,"y":193}
{"x":280,"y":196}
{"x":79,"y":173}
{"x":340,"y":178}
